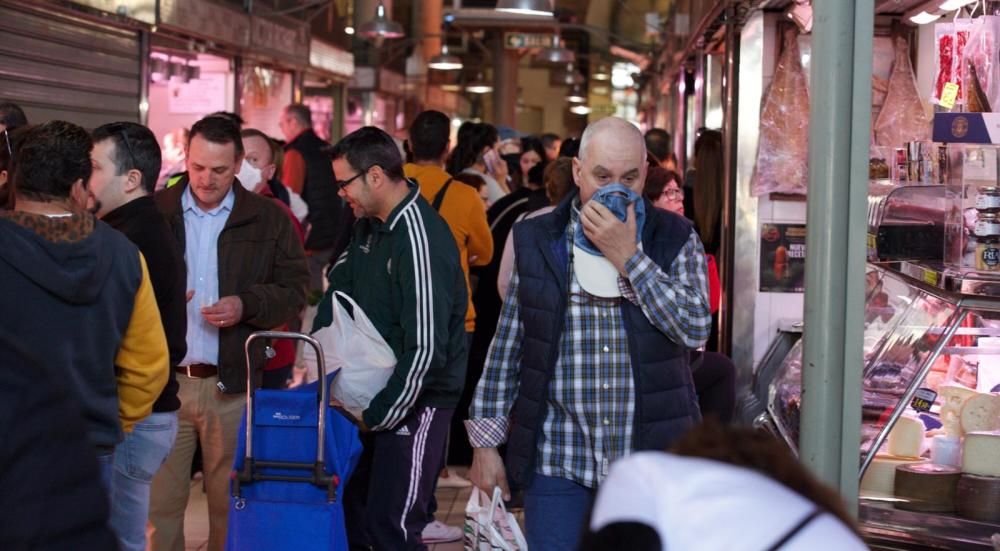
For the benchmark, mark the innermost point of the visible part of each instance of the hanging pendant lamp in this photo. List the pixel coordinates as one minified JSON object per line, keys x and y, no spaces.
{"x":381,"y":27}
{"x":445,"y":61}
{"x":556,"y":54}
{"x":526,"y":7}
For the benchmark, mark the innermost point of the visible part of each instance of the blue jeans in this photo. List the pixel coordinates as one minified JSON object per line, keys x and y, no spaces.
{"x":105,"y":464}
{"x":555,"y":513}
{"x":137,"y":459}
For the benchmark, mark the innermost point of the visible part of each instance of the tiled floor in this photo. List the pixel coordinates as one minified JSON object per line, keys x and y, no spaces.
{"x":451,"y":510}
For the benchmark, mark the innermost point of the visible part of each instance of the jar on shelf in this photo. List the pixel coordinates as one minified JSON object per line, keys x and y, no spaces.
{"x":988,"y":199}
{"x":988,"y":253}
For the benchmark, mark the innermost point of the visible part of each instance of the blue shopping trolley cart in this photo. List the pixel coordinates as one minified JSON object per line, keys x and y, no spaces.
{"x":293,"y":459}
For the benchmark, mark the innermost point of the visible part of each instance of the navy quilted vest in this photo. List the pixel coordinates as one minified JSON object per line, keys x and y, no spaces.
{"x":666,"y":404}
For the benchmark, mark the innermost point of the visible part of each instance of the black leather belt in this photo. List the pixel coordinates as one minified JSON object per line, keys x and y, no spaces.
{"x":198,"y":371}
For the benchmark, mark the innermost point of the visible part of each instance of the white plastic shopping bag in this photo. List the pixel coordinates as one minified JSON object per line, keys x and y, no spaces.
{"x":353,"y":345}
{"x":488,"y":525}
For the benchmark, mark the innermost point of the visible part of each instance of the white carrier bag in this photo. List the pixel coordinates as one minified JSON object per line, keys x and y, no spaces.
{"x":353,"y":345}
{"x":488,"y":525}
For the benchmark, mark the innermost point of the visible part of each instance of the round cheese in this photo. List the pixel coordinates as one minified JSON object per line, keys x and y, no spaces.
{"x":906,"y":437}
{"x":953,"y":397}
{"x":926,"y":487}
{"x":981,"y":412}
{"x":981,"y":453}
{"x":880,"y":477}
{"x":978,"y":498}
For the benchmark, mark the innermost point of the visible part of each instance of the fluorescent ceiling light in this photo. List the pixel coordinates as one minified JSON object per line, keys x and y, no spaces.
{"x":526,"y":7}
{"x":924,"y":18}
{"x":951,"y":5}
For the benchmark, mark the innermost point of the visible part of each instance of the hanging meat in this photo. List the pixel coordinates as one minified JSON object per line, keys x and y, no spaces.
{"x":783,"y":150}
{"x":903,"y":118}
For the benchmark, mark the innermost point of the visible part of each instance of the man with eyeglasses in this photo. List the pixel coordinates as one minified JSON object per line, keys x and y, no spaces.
{"x":126,"y":162}
{"x":402,"y":269}
{"x":246,"y":271}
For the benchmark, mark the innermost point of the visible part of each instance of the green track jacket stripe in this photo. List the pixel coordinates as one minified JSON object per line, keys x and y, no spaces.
{"x":406,"y":276}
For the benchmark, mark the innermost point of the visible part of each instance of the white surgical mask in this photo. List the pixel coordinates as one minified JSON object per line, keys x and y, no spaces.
{"x":249,"y":175}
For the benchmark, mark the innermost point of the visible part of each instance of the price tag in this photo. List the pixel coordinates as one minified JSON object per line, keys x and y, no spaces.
{"x":923,"y":400}
{"x":930,"y":277}
{"x":949,"y":95}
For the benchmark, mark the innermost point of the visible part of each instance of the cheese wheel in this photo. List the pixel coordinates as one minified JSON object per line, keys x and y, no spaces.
{"x":981,"y":412}
{"x":906,"y":437}
{"x":953,"y":397}
{"x":880,"y":477}
{"x":926,"y":487}
{"x":978,"y":498}
{"x":981,"y":453}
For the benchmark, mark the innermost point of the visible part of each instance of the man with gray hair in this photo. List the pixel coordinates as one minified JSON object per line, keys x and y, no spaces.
{"x":590,"y":358}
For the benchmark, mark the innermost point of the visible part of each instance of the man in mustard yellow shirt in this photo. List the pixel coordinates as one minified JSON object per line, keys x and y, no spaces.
{"x":77,"y":293}
{"x":462,"y":208}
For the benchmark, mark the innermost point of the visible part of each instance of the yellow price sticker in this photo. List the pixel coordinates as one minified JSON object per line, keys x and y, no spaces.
{"x":930,"y":277}
{"x":949,"y":95}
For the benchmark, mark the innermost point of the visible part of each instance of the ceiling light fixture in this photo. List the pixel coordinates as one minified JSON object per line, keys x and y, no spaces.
{"x":576,"y":95}
{"x":951,"y":5}
{"x":526,"y":7}
{"x":580,"y":110}
{"x":923,"y":17}
{"x":381,"y":27}
{"x":479,"y":86}
{"x":349,"y":30}
{"x":556,"y":54}
{"x":601,"y":73}
{"x":445,"y":61}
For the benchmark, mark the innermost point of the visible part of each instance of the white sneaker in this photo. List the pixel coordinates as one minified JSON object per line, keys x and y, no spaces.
{"x":439,"y":532}
{"x":453,"y":480}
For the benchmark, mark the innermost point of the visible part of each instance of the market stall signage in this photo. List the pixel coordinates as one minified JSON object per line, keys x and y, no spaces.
{"x":967,"y":128}
{"x":207,"y":20}
{"x":282,"y":41}
{"x":782,"y":258}
{"x":923,"y":399}
{"x":516,"y":41}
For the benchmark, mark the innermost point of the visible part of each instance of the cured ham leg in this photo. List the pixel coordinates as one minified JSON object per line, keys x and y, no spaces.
{"x":902,"y":118}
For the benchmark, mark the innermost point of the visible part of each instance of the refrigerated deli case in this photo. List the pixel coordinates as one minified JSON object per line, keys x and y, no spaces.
{"x":930,"y":445}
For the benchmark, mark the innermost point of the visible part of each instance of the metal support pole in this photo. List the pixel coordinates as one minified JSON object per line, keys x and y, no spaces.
{"x":730,"y":140}
{"x":839,"y":126}
{"x":505,"y":64}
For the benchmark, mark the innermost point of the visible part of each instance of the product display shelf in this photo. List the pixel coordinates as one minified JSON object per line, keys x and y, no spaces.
{"x":921,"y":332}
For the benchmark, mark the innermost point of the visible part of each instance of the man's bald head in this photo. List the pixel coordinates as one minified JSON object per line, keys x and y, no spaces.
{"x":611,"y":130}
{"x":612,"y":150}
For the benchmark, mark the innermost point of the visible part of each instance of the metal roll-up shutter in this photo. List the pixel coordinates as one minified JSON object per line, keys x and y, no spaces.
{"x":62,"y":67}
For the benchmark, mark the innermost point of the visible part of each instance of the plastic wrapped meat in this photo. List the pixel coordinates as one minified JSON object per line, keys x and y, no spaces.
{"x":945,"y":56}
{"x":783,"y":151}
{"x":903,"y":118}
{"x":980,"y":67}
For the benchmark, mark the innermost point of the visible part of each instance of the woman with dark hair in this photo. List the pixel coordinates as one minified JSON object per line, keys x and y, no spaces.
{"x":663,"y":189}
{"x":708,"y":189}
{"x":532,"y":153}
{"x":719,"y":488}
{"x":476,"y":152}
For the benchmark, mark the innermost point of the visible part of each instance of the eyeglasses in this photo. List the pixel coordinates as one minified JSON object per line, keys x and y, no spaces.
{"x":119,"y":128}
{"x":673,"y":194}
{"x":341,"y":184}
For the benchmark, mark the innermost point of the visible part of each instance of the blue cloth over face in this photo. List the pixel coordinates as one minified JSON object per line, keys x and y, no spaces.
{"x":616,"y":197}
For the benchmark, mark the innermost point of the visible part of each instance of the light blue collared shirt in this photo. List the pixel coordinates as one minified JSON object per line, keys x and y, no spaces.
{"x":201,"y":239}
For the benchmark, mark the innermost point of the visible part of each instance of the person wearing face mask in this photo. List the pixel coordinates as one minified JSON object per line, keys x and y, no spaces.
{"x":608,"y":294}
{"x":257,"y":175}
{"x":264,"y":154}
{"x":246,"y":272}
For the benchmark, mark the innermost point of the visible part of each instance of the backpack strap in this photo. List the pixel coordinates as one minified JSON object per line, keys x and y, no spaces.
{"x":439,"y":197}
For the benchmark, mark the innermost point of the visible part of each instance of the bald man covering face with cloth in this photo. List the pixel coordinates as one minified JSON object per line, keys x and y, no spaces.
{"x":590,"y":358}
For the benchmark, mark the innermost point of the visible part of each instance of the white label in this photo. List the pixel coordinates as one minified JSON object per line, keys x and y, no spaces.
{"x":984,"y":228}
{"x":987,"y":202}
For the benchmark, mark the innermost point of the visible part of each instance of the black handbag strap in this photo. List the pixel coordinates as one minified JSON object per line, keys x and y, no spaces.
{"x":795,"y":530}
{"x":439,"y":197}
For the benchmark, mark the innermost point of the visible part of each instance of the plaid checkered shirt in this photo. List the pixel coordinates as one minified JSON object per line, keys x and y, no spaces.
{"x":591,"y":399}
